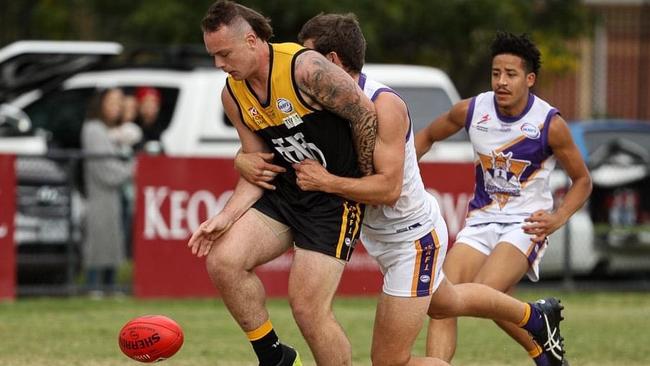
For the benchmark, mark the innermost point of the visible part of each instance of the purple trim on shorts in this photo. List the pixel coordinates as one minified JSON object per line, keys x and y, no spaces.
{"x":535,"y":252}
{"x":529,"y":104}
{"x":425,"y":272}
{"x":470,"y":113}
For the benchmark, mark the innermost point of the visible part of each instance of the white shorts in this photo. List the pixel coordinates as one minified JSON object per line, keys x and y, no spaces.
{"x":485,"y":237}
{"x":411,"y":268}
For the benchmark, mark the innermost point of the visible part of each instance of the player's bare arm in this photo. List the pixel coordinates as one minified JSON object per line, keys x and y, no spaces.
{"x":542,"y":223}
{"x":244,"y":195}
{"x":336,"y":91}
{"x":442,"y":127}
{"x":385,"y":185}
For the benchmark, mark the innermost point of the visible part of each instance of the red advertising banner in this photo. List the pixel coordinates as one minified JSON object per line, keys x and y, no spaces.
{"x":174,"y":195}
{"x":453,"y":186}
{"x":7,"y":213}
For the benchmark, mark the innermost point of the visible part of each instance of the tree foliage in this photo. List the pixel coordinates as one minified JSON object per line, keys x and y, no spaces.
{"x":450,"y":34}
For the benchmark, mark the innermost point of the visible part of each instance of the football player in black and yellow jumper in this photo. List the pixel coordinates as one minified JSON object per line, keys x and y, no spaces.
{"x":294,"y":103}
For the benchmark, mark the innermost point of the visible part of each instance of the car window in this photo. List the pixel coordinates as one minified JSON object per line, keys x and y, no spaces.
{"x":61,"y":113}
{"x":620,"y":201}
{"x":595,"y":139}
{"x":425,"y":104}
{"x":168,"y":99}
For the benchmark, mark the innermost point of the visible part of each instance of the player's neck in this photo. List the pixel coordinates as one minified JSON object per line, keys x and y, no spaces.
{"x":517,"y":109}
{"x":260,"y":77}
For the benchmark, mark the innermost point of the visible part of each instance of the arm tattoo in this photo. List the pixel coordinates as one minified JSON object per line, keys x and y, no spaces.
{"x":336,"y":91}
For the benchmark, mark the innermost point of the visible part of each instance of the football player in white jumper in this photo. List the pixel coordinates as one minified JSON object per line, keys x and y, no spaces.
{"x":517,"y":138}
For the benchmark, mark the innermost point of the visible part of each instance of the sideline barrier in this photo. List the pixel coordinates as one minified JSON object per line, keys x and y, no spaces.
{"x":7,"y":212}
{"x":174,"y":195}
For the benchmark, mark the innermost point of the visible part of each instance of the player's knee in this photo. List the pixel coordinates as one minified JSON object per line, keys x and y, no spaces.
{"x":439,"y":313}
{"x":446,"y":309}
{"x":302,"y":310}
{"x":220,"y":264}
{"x":306,"y":311}
{"x":443,"y":307}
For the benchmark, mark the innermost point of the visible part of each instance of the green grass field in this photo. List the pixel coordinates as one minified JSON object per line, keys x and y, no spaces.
{"x":603,"y":329}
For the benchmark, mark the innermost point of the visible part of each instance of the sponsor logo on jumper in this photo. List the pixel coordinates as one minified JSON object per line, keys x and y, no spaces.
{"x":284,"y":105}
{"x":486,"y":117}
{"x":530,"y":130}
{"x":501,"y":175}
{"x":255,"y":115}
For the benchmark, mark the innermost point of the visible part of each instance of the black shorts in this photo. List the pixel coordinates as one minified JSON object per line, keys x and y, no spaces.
{"x":331,"y":228}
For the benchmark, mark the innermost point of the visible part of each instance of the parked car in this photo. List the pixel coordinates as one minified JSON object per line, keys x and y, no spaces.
{"x":617,"y":153}
{"x":48,"y":230}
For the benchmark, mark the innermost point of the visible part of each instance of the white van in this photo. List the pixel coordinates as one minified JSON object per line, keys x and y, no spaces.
{"x":195,"y":123}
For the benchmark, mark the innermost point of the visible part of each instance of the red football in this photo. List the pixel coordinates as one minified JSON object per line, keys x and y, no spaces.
{"x":150,"y":338}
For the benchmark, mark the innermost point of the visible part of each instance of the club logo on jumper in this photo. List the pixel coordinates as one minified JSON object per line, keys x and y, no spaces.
{"x":425,"y":278}
{"x":295,"y":149}
{"x":530,"y":130}
{"x":501,"y":174}
{"x":285,"y":105}
{"x":255,"y":115}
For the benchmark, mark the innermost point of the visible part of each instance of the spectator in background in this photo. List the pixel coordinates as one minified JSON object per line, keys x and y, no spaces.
{"x":104,"y":174}
{"x":149,"y":103}
{"x":127,"y":133}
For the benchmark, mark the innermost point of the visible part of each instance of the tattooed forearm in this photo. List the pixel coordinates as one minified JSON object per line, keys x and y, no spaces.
{"x":335,"y":90}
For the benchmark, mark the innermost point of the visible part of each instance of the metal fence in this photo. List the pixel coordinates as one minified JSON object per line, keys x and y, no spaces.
{"x":49,"y":223}
{"x":49,"y":231}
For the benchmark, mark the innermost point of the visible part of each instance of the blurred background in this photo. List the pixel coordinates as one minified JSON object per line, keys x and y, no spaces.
{"x":596,"y":52}
{"x":595,"y":70}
